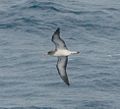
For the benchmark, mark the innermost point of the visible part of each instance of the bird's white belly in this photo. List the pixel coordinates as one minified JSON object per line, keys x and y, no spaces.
{"x":62,"y":53}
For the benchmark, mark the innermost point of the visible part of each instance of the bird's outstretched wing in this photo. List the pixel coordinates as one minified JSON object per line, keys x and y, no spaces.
{"x":59,"y":43}
{"x":61,"y":67}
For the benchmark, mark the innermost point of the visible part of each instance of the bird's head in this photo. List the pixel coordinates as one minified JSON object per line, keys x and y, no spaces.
{"x":51,"y":52}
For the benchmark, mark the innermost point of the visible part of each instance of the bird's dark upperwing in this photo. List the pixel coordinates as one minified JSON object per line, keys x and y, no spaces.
{"x":61,"y":67}
{"x":59,"y":43}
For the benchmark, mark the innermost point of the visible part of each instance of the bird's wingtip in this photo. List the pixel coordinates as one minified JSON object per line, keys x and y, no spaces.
{"x":57,"y":30}
{"x":68,"y":84}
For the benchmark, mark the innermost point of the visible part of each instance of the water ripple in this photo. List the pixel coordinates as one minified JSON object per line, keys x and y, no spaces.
{"x":33,"y":107}
{"x":29,"y":79}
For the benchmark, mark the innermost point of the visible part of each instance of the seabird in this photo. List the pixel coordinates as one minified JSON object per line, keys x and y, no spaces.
{"x":61,"y":51}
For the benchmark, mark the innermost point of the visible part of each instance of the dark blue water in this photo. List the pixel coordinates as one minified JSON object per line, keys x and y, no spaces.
{"x":29,"y":80}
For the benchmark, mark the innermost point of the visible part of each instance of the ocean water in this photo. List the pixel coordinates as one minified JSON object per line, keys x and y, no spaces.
{"x":29,"y":79}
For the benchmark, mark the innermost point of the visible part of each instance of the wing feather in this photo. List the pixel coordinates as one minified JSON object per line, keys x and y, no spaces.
{"x":61,"y":67}
{"x":59,"y":43}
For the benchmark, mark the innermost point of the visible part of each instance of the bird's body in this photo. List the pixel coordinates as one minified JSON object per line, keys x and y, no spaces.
{"x":61,"y":51}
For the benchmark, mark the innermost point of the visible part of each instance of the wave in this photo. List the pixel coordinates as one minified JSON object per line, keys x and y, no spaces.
{"x":32,"y":107}
{"x":96,"y":104}
{"x":25,"y":17}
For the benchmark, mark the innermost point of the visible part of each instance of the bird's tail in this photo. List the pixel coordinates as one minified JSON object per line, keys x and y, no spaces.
{"x":75,"y":52}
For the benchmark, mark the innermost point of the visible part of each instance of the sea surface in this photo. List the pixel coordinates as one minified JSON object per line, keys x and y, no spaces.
{"x":29,"y":78}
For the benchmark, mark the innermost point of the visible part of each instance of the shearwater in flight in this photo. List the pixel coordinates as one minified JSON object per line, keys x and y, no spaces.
{"x":61,"y":51}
